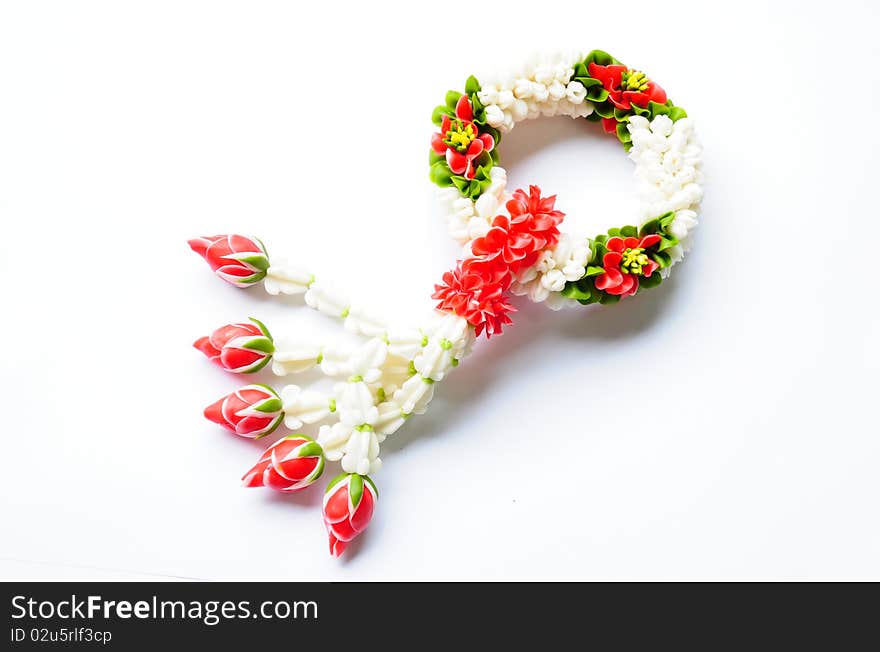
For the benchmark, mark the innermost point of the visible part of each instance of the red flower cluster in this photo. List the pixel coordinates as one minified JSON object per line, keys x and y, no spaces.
{"x":475,"y":288}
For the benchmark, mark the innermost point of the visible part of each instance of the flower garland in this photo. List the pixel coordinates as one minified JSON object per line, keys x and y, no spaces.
{"x":512,"y":245}
{"x":657,"y":134}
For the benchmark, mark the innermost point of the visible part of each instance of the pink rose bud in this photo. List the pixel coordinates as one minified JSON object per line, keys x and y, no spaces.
{"x":291,"y":464}
{"x":239,"y":348}
{"x":253,"y":411}
{"x":237,"y":259}
{"x":348,"y":508}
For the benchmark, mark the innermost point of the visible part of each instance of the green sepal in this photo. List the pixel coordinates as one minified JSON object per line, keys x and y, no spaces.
{"x":441,"y":174}
{"x":262,"y":327}
{"x":310,"y":449}
{"x":370,"y":482}
{"x":270,"y":405}
{"x":649,"y":227}
{"x":434,"y":157}
{"x":593,"y":117}
{"x":666,"y":219}
{"x":277,"y":422}
{"x":597,"y":94}
{"x":335,"y":481}
{"x":261,"y":344}
{"x":258,"y":261}
{"x":629,"y":231}
{"x":262,"y":363}
{"x":355,"y":490}
{"x":608,"y":299}
{"x":572,"y":291}
{"x":452,"y":98}
{"x":594,"y":270}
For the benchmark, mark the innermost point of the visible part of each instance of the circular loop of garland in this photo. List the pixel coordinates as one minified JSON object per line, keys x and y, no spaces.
{"x":512,"y":243}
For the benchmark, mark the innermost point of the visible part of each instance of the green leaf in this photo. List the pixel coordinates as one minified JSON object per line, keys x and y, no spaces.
{"x":594,"y":270}
{"x":452,"y":98}
{"x":629,"y":231}
{"x":604,"y":109}
{"x":593,"y":117}
{"x":677,"y":113}
{"x":666,"y":242}
{"x":621,"y":114}
{"x":597,"y":93}
{"x":608,"y":299}
{"x":662,"y":258}
{"x":651,"y":281}
{"x":460,"y":182}
{"x":471,"y":86}
{"x":572,"y":291}
{"x":600,"y":57}
{"x":258,"y":261}
{"x":441,"y":174}
{"x":434,"y":157}
{"x":651,"y":226}
{"x":439,"y":112}
{"x":623,"y":134}
{"x":614,"y":232}
{"x":269,"y":405}
{"x":356,"y":489}
{"x":667,"y":219}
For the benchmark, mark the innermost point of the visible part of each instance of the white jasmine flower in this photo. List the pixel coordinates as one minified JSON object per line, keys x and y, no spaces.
{"x":287,"y":279}
{"x":326,"y":299}
{"x":414,"y":396}
{"x":303,"y":406}
{"x":293,"y":359}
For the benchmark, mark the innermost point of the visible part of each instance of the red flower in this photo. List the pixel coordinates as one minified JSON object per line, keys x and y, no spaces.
{"x":348,"y":508}
{"x":239,"y":348}
{"x":626,"y":87}
{"x":624,"y":262}
{"x":252,"y":411}
{"x":531,"y":228}
{"x":237,"y":259}
{"x":460,"y":139}
{"x":290,"y":464}
{"x":475,"y":290}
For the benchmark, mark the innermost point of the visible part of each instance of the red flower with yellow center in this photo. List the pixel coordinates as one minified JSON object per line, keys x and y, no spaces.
{"x":626,"y":87}
{"x":625,"y":261}
{"x":460,"y":140}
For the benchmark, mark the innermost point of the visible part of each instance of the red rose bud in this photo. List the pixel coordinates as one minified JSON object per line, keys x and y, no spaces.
{"x":348,"y":508}
{"x":237,"y":259}
{"x":239,"y":348}
{"x":253,"y":411}
{"x":291,"y":464}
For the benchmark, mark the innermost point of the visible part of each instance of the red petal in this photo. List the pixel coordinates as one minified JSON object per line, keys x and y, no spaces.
{"x":609,"y":125}
{"x":298,"y":468}
{"x":254,"y":477}
{"x":200,"y":245}
{"x":445,"y":124}
{"x":336,"y":507}
{"x":612,"y":259}
{"x":463,"y":109}
{"x":233,"y":359}
{"x":458,"y":163}
{"x":488,"y":142}
{"x":615,"y":244}
{"x":475,"y":148}
{"x":650,"y":268}
{"x":437,"y":143}
{"x":364,"y":512}
{"x":608,"y":75}
{"x":214,"y":412}
{"x":649,"y":241}
{"x":337,"y":547}
{"x":631,"y":243}
{"x":204,"y":345}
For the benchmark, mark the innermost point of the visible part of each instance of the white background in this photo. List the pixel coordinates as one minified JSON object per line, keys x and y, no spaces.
{"x":721,"y":426}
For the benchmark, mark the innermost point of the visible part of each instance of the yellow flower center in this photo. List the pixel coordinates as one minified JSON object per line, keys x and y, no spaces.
{"x":633,"y":260}
{"x":460,"y":135}
{"x":633,"y":80}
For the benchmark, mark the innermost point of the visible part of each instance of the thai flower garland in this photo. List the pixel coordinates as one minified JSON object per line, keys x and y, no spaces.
{"x":512,"y":244}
